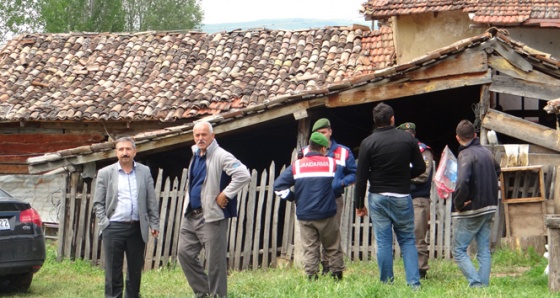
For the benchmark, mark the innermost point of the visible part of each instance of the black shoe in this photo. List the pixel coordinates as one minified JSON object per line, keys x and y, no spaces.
{"x":312,"y":277}
{"x":326,"y":268}
{"x":423,"y":273}
{"x":337,"y":275}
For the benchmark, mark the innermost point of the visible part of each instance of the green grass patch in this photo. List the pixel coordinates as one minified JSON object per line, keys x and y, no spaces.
{"x":514,"y":274}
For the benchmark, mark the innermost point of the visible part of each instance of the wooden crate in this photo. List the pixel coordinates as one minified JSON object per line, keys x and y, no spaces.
{"x":523,"y":197}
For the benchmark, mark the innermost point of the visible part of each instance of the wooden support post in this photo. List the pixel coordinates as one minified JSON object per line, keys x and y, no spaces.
{"x":552,"y":222}
{"x":303,"y":132}
{"x":484,"y":106}
{"x":302,"y":140}
{"x":557,"y":191}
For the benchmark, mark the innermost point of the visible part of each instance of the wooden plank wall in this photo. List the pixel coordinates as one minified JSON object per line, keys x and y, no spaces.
{"x":262,"y":236}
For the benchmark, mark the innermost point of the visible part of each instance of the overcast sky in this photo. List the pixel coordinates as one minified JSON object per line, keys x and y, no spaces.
{"x":228,"y":11}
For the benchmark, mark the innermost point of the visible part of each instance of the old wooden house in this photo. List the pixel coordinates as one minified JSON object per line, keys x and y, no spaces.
{"x":535,"y":23}
{"x":65,"y":97}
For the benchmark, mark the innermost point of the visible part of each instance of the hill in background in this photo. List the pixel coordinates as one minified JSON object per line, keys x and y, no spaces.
{"x":282,"y":24}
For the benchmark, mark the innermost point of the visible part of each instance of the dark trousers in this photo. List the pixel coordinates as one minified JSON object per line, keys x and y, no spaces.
{"x":120,"y":239}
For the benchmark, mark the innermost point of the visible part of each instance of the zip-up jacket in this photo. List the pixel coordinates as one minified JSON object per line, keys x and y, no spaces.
{"x":422,"y":185}
{"x":312,"y":176}
{"x":226,"y":174}
{"x":345,"y":166}
{"x":477,"y":181}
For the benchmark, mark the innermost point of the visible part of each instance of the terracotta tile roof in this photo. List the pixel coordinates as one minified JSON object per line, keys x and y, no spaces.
{"x":537,"y":59}
{"x":502,"y":12}
{"x":379,"y":9}
{"x":378,"y":50}
{"x":170,"y":76}
{"x":495,"y":12}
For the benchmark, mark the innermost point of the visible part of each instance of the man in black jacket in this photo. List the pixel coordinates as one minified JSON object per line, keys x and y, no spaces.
{"x":475,"y":199}
{"x":389,"y":158}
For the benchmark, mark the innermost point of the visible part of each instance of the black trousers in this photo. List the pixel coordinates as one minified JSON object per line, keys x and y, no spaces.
{"x":120,"y":239}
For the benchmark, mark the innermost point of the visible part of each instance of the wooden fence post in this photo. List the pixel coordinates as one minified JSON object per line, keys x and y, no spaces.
{"x":552,"y":222}
{"x":264,"y":221}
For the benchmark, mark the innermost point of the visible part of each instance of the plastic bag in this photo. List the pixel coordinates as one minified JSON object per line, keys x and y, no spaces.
{"x":446,"y":174}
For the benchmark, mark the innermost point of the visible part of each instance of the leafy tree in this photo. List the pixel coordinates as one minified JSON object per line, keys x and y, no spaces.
{"x":120,"y":15}
{"x":173,"y":15}
{"x":82,"y":15}
{"x":56,"y":16}
{"x":18,"y":16}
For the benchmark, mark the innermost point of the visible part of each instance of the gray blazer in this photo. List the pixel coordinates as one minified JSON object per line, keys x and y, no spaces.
{"x":105,"y":198}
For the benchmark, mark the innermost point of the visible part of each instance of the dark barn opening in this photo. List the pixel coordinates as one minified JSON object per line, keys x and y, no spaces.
{"x":435,"y":114}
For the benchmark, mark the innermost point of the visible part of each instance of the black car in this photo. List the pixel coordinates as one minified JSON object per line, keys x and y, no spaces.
{"x":22,"y":244}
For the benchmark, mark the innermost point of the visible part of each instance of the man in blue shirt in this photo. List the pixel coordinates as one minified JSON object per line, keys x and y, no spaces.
{"x":126,"y":206}
{"x":215,"y":178}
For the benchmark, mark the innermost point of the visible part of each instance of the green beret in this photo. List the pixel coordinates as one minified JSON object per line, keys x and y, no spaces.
{"x":319,"y":139}
{"x":407,"y":126}
{"x":321,"y":123}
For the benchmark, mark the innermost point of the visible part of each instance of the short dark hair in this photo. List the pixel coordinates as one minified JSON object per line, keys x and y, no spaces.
{"x":465,"y":130}
{"x":382,"y":114}
{"x":126,"y":139}
{"x":314,"y":147}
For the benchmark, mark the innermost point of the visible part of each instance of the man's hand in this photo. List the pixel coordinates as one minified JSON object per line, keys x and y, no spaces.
{"x":464,"y":205}
{"x":361,"y":212}
{"x":222,"y":200}
{"x":155,"y":233}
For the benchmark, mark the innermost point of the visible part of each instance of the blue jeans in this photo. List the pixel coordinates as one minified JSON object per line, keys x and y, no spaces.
{"x":396,"y":214}
{"x":467,"y":229}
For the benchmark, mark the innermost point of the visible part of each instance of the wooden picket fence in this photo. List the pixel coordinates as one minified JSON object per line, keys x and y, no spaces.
{"x":261,"y":236}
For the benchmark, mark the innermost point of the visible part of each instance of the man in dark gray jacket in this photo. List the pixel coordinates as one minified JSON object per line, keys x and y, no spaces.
{"x":474,"y":200}
{"x":126,"y":206}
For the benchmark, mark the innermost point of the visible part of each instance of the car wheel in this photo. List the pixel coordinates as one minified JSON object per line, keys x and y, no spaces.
{"x":16,"y":282}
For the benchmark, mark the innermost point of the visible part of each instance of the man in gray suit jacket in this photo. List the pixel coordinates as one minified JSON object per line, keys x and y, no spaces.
{"x":126,"y":206}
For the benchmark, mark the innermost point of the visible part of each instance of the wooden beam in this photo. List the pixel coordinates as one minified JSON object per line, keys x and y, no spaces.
{"x":552,"y":222}
{"x":504,"y":67}
{"x":304,"y":126}
{"x":544,"y":159}
{"x":513,"y":57}
{"x":19,"y":143}
{"x":464,"y":63}
{"x":367,"y":93}
{"x":556,"y":191}
{"x":13,"y":169}
{"x":483,"y":108}
{"x":509,"y":85}
{"x":171,"y":140}
{"x":522,"y":129}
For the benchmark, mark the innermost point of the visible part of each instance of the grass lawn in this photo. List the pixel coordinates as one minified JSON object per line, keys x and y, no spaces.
{"x":513,"y":275}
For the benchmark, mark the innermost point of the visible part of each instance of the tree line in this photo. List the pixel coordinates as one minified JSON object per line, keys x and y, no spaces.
{"x":57,"y":16}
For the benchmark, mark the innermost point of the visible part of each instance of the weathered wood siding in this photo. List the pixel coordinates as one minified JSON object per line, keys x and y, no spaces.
{"x":261,"y":236}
